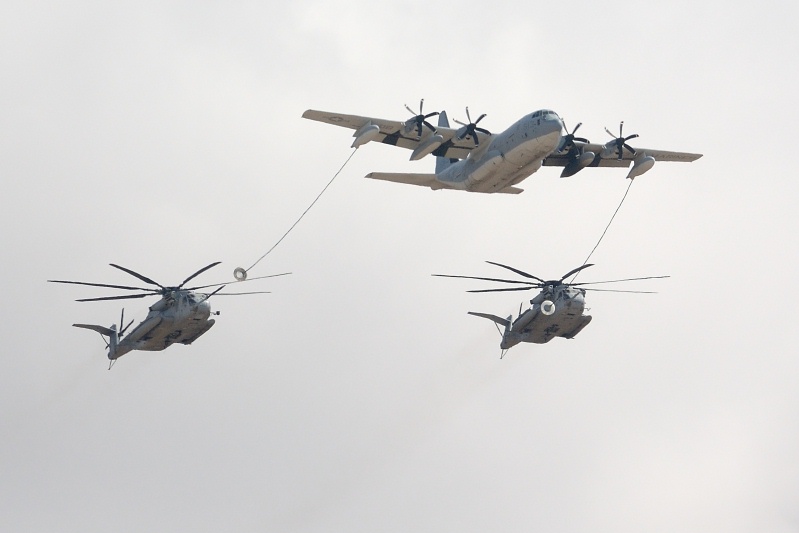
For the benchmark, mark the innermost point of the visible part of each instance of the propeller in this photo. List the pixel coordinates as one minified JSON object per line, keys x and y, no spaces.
{"x":471,"y":129}
{"x":136,"y":274}
{"x":148,"y":291}
{"x":540,"y":283}
{"x":568,"y":140}
{"x":621,"y":141}
{"x":236,"y":282}
{"x":185,"y":281}
{"x":122,"y":321}
{"x":421,"y":118}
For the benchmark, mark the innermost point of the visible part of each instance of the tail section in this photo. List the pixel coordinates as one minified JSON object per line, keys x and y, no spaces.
{"x":443,"y":162}
{"x":506,"y":322}
{"x":111,"y":333}
{"x":508,"y":340}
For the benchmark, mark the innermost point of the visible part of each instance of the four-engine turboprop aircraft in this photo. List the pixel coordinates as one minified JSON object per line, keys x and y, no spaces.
{"x":473,"y":159}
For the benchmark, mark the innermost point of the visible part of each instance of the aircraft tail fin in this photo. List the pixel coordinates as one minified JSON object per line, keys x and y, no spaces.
{"x":443,"y":162}
{"x":111,"y":333}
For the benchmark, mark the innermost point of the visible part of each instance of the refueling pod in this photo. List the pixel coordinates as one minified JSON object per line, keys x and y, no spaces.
{"x":641,"y":164}
{"x":367,"y":133}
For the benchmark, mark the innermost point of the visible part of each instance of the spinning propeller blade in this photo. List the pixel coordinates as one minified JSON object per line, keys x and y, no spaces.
{"x":420,"y":118}
{"x":568,"y":139}
{"x":621,"y":141}
{"x":471,"y":129}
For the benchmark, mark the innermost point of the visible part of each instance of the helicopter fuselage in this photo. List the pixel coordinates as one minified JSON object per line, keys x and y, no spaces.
{"x":179,"y":317}
{"x":557,"y":311}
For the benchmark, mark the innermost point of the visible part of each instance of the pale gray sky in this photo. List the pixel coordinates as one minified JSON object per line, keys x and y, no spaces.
{"x":360,"y":396}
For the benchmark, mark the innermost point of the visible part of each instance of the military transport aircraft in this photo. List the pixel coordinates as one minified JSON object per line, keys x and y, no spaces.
{"x":473,"y":159}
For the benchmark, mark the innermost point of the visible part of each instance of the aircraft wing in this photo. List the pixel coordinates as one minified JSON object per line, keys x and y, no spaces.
{"x":393,"y":132}
{"x":562,"y":159}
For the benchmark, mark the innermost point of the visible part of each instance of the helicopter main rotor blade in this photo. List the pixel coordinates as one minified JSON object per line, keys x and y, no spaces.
{"x":240,"y":293}
{"x":576,"y":270}
{"x":488,"y":279}
{"x":185,"y":281}
{"x":207,"y":296}
{"x":615,"y":280}
{"x":614,"y":290}
{"x":125,"y":297}
{"x":125,"y":287}
{"x":520,"y":272}
{"x":136,"y":274}
{"x":237,"y":282}
{"x":505,"y":290}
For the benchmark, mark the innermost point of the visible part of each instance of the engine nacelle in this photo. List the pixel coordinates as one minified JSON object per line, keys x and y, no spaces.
{"x":577,"y":164}
{"x":641,"y":164}
{"x":608,"y":150}
{"x":367,"y":133}
{"x":547,"y":307}
{"x":427,"y":146}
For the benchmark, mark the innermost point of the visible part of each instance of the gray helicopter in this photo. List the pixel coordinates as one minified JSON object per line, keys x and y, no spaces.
{"x":180,"y":316}
{"x":556,"y":311}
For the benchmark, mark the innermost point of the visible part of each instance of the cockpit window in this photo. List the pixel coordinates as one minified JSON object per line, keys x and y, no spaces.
{"x":544,"y":112}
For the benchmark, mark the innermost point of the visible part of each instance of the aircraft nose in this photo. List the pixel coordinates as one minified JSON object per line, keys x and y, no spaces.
{"x":551,"y":130}
{"x":554,"y":123}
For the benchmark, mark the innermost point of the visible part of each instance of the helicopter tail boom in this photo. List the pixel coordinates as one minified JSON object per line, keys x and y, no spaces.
{"x":111,"y":333}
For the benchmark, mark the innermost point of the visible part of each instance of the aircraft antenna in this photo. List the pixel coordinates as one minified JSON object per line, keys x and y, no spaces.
{"x":241,"y":274}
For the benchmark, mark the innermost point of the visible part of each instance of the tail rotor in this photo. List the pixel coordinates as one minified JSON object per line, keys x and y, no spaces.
{"x":122,"y":321}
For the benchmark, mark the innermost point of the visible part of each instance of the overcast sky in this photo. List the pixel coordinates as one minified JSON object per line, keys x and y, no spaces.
{"x":359,"y":395}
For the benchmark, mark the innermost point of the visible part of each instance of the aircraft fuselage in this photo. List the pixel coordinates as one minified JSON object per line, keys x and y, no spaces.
{"x":509,"y":157}
{"x":533,"y":325}
{"x":181,"y":317}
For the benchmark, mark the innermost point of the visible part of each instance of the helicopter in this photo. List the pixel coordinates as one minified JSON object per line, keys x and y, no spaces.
{"x":180,"y":316}
{"x":556,"y":311}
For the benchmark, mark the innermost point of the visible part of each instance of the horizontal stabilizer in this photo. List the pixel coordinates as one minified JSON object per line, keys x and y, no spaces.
{"x":99,"y":329}
{"x":498,"y":320}
{"x":425,"y":180}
